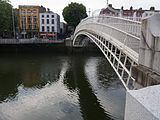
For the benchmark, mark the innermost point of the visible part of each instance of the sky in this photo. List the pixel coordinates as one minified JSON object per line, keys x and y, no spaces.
{"x":58,"y":5}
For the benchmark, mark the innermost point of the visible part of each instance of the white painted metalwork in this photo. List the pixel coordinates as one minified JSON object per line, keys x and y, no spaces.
{"x":117,"y":38}
{"x":128,"y":24}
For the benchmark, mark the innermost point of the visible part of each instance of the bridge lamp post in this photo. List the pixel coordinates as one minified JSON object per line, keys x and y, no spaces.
{"x":89,"y":12}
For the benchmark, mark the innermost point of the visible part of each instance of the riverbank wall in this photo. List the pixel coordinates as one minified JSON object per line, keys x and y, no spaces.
{"x":59,"y":47}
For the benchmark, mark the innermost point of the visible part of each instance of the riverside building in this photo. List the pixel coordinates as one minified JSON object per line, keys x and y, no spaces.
{"x":29,"y":20}
{"x":49,"y":25}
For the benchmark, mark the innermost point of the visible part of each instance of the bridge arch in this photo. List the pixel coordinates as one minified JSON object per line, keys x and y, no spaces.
{"x":121,"y":55}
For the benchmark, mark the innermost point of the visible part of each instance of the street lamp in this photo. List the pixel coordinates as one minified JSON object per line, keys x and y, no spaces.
{"x":24,"y":26}
{"x":23,"y":19}
{"x":89,"y":12}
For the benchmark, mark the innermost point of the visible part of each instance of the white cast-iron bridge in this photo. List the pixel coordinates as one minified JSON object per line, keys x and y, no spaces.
{"x":118,"y":38}
{"x":127,"y":43}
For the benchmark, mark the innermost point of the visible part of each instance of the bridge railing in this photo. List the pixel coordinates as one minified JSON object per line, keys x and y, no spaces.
{"x":129,"y":24}
{"x":121,"y":38}
{"x":124,"y":30}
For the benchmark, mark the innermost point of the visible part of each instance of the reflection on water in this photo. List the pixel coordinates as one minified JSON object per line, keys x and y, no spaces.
{"x":51,"y":87}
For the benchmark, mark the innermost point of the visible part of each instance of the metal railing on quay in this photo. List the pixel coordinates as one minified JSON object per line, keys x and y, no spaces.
{"x":29,"y":41}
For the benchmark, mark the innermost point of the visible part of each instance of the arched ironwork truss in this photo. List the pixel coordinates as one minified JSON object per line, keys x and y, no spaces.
{"x":118,"y":59}
{"x":118,"y":39}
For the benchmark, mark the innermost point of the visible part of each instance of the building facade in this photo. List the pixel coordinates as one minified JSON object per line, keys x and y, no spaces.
{"x":150,"y":12}
{"x":49,"y":25}
{"x":63,"y":28}
{"x":110,"y":11}
{"x":29,"y":21}
{"x":133,"y":13}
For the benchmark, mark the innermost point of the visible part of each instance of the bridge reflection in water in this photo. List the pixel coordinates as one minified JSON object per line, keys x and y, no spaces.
{"x":59,"y":87}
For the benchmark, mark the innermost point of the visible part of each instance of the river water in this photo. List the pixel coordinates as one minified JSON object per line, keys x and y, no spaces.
{"x":59,"y":87}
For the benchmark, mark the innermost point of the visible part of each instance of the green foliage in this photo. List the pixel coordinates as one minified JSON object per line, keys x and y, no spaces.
{"x":5,"y":18}
{"x":74,"y":13}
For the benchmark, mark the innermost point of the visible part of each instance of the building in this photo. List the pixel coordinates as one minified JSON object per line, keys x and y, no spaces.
{"x":29,"y":20}
{"x":135,"y":13}
{"x":150,"y":12}
{"x":63,"y":29}
{"x":49,"y":25}
{"x":110,"y":11}
{"x":132,"y":12}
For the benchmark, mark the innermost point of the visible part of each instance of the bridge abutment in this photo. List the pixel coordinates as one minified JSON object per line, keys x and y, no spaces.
{"x":149,"y":53}
{"x":143,"y":104}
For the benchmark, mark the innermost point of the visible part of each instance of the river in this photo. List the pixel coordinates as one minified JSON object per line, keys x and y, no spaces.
{"x":59,"y":87}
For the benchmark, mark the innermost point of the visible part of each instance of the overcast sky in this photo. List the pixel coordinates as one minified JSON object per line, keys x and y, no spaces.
{"x":58,"y":5}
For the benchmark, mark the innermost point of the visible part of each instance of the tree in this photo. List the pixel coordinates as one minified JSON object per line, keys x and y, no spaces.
{"x":6,"y":25}
{"x":74,"y":13}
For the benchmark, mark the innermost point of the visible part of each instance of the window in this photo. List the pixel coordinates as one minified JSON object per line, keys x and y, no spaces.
{"x":52,"y":28}
{"x":47,"y":21}
{"x":52,"y":21}
{"x":29,"y":26}
{"x":47,"y":16}
{"x":23,"y":18}
{"x":34,"y":19}
{"x":47,"y":28}
{"x":29,"y":11}
{"x":23,"y":11}
{"x":23,"y":26}
{"x":43,"y":29}
{"x":42,"y":21}
{"x":29,"y":19}
{"x":35,"y":27}
{"x":52,"y":16}
{"x":34,"y":11}
{"x":42,"y":16}
{"x":23,"y":22}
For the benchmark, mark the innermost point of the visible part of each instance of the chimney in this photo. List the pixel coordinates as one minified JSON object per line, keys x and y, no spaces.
{"x":110,"y":5}
{"x":48,"y":10}
{"x":152,"y":8}
{"x":122,"y":8}
{"x":131,"y":8}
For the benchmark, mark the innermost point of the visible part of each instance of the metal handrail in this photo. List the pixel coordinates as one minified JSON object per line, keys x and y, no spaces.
{"x":129,"y":24}
{"x":28,"y":41}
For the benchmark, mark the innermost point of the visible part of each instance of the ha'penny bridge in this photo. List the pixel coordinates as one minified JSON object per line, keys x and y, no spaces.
{"x":132,"y":47}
